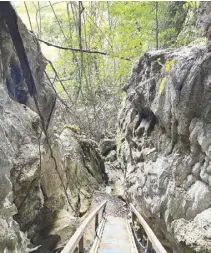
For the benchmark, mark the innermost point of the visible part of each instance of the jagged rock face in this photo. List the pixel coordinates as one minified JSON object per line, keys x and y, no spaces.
{"x":34,"y":195}
{"x":16,"y":134}
{"x":42,"y":201}
{"x":18,"y":130}
{"x":164,"y":144}
{"x":12,"y":73}
{"x":204,"y":18}
{"x":44,"y":195}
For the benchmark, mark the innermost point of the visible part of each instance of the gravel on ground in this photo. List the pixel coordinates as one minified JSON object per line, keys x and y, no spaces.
{"x":115,"y":206}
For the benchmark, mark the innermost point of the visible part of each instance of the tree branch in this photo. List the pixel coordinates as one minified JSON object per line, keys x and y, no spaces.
{"x":73,"y":49}
{"x":83,"y":50}
{"x":27,"y":11}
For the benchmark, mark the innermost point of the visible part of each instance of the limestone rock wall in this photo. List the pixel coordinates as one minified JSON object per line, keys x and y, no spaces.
{"x":16,"y":135}
{"x":49,"y":199}
{"x":32,"y":199}
{"x":12,"y":74}
{"x":38,"y":202}
{"x":164,"y":145}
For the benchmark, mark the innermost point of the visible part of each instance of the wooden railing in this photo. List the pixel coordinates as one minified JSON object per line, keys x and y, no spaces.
{"x":153,"y":242}
{"x":77,"y":239}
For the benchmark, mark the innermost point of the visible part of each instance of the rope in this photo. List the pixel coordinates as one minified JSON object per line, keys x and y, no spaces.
{"x":96,"y":232}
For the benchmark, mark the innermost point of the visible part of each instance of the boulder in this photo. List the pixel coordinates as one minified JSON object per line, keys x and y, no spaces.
{"x":61,"y":187}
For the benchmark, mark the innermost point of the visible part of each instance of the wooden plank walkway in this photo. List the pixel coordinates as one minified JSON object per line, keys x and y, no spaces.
{"x":116,"y":237}
{"x":113,"y":235}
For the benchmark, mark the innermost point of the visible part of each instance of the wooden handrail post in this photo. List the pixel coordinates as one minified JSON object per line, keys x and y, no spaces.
{"x":96,"y":221}
{"x":81,"y":245}
{"x":132,"y":217}
{"x":77,"y":238}
{"x":156,"y":245}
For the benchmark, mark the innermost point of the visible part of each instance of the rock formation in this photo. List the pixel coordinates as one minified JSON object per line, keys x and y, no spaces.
{"x":164,"y":145}
{"x":12,"y":74}
{"x":45,"y":200}
{"x":15,"y":129}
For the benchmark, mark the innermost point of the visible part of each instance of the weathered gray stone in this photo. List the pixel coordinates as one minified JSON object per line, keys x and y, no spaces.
{"x":15,"y":83}
{"x":199,"y":228}
{"x":36,"y":196}
{"x":165,"y":144}
{"x":111,"y":157}
{"x":106,"y":146}
{"x":15,"y":123}
{"x":42,"y":194}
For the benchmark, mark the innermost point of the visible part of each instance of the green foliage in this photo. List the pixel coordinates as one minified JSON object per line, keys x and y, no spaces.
{"x":189,"y":32}
{"x":171,"y":25}
{"x":74,"y":128}
{"x":191,"y":4}
{"x":159,"y":61}
{"x":169,"y":64}
{"x":124,"y":30}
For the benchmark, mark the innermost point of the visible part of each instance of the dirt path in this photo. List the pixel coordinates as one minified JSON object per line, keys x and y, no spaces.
{"x":115,"y":205}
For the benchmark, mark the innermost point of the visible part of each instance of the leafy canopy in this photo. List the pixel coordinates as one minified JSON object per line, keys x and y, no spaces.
{"x":91,"y":83}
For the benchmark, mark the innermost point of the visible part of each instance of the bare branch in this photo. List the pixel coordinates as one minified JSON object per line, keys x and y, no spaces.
{"x":73,"y":49}
{"x":63,"y":86}
{"x":57,"y":20}
{"x":83,"y":50}
{"x":27,"y":11}
{"x":61,"y":80}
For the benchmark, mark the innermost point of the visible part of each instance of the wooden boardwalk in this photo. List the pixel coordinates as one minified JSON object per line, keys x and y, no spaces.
{"x":116,"y":237}
{"x":113,"y":235}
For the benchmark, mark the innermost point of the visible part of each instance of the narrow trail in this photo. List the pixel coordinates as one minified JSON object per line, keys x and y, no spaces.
{"x":116,"y":237}
{"x":115,"y":207}
{"x":112,"y":229}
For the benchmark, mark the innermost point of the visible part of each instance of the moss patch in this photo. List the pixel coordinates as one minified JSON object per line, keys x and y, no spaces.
{"x":169,"y":64}
{"x":162,"y":85}
{"x":74,"y":128}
